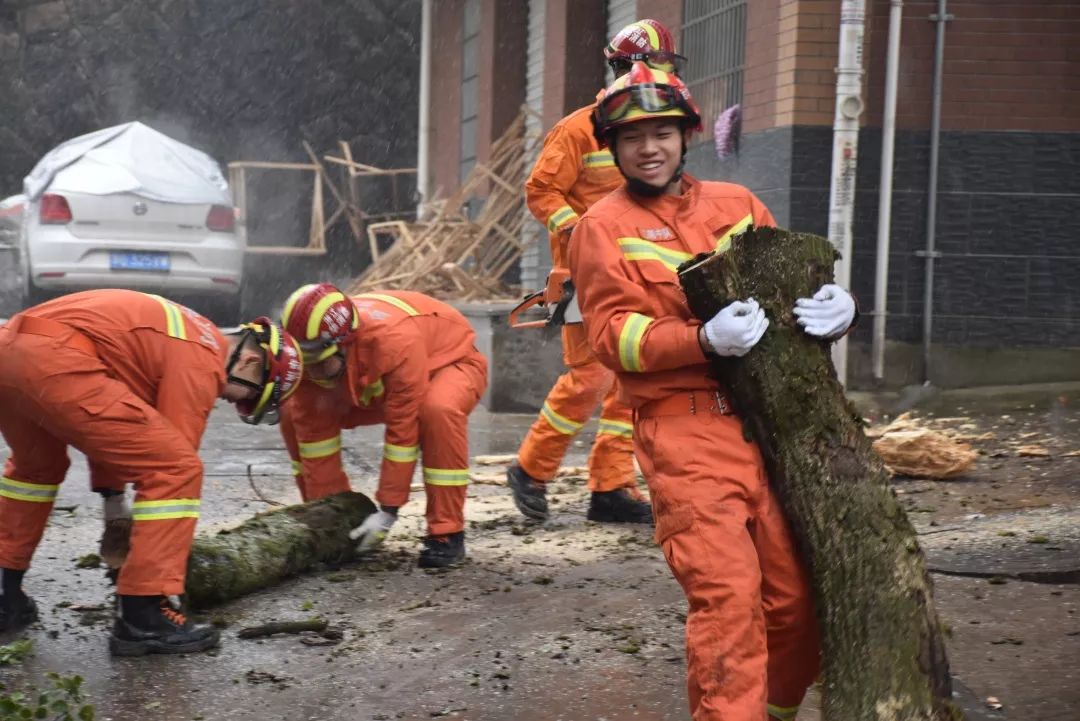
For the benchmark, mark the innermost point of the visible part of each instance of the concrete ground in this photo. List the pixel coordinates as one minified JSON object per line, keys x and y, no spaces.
{"x":565,"y":620}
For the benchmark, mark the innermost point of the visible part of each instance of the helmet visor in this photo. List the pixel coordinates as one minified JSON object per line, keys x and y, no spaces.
{"x":649,"y":97}
{"x":657,"y":60}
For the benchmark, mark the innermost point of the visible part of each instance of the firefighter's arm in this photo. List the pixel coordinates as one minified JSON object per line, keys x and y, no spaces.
{"x":617,"y":312}
{"x":311,"y":429}
{"x":188,"y":388}
{"x":405,"y":375}
{"x":555,"y":173}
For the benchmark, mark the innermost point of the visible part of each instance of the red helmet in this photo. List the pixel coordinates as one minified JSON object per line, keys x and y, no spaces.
{"x":282,"y":370}
{"x":645,"y":40}
{"x":321,"y":317}
{"x":642,"y":94}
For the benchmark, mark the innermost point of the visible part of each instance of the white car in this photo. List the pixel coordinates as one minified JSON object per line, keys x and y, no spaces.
{"x":128,"y":207}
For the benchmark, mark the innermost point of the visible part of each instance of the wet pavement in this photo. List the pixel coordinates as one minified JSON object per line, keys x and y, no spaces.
{"x":565,"y":620}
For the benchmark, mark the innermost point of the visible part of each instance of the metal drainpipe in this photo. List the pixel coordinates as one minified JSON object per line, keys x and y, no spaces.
{"x":940,"y":17}
{"x":423,"y":143}
{"x":888,"y":137}
{"x":849,"y":106}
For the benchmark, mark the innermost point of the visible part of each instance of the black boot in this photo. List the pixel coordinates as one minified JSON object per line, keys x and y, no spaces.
{"x":618,"y":506}
{"x":17,"y":610}
{"x":150,"y":624}
{"x":530,"y":495}
{"x":443,"y":551}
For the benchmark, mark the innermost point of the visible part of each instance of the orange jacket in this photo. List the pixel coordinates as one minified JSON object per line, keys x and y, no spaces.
{"x":623,"y":256}
{"x":136,"y":336}
{"x":571,"y":174}
{"x":404,"y":338}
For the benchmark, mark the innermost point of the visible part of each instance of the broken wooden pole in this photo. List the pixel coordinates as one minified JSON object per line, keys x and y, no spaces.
{"x":273,"y":546}
{"x":883,"y":647}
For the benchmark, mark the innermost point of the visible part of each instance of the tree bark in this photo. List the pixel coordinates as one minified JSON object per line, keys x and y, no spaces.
{"x":883,"y":647}
{"x":273,"y":546}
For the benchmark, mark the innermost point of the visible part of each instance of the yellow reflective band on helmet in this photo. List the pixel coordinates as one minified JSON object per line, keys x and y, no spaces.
{"x":783,"y":713}
{"x":292,"y":300}
{"x":372,"y":391}
{"x":599,"y":159}
{"x":559,"y":422}
{"x":29,"y":492}
{"x":400,"y":454}
{"x":174,"y":319}
{"x":321,"y":449}
{"x":297,"y":467}
{"x":166,"y":510}
{"x":724,"y":241}
{"x":638,"y":249}
{"x":654,"y":37}
{"x":446,"y":476}
{"x":396,"y":302}
{"x":616,"y":428}
{"x":561,"y":217}
{"x":633,"y":331}
{"x":316,"y":318}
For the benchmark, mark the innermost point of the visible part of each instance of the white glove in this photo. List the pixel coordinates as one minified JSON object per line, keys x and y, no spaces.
{"x":737,"y":328}
{"x":828,"y":314}
{"x":372,"y":532}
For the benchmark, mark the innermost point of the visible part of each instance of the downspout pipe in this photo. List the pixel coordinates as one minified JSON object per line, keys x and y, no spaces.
{"x":849,"y":106}
{"x":888,"y":143}
{"x":941,"y":17}
{"x":423,"y":141}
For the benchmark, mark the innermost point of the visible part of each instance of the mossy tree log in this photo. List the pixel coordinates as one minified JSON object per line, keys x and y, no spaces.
{"x":883,"y":647}
{"x":273,"y":546}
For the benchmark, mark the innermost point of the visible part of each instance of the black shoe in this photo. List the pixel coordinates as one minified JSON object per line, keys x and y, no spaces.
{"x":150,"y":624}
{"x":530,"y":495}
{"x":618,"y":506}
{"x":443,"y":551}
{"x":18,"y":612}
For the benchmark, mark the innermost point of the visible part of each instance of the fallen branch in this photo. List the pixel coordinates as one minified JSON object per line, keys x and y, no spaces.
{"x":317,"y":625}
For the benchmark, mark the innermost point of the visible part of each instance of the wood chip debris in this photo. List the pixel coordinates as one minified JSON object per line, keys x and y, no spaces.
{"x":1032,"y":452}
{"x":909,"y":448}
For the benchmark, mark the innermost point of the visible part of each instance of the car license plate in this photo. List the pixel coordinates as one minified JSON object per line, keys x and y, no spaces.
{"x":139,"y":261}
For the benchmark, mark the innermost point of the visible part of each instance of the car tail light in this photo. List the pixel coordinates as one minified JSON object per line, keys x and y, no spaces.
{"x":54,"y":210}
{"x":221,"y":218}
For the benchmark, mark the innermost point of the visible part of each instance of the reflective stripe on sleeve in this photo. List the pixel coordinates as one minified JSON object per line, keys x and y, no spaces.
{"x":174,"y":319}
{"x":559,"y":422}
{"x":400,"y":454}
{"x":29,"y":492}
{"x":724,"y":241}
{"x":639,"y":249}
{"x":321,"y":449}
{"x":166,"y":510}
{"x":446,"y":476}
{"x":396,"y":302}
{"x":560,"y":217}
{"x":599,"y":159}
{"x":633,"y":331}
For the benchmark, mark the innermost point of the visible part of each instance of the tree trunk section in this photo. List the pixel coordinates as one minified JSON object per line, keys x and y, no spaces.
{"x":883,"y":648}
{"x":273,"y":546}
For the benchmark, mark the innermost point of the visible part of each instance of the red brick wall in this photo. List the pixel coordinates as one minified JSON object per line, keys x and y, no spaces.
{"x":585,"y":52}
{"x":668,"y":12}
{"x":501,"y":87}
{"x":446,"y":95}
{"x":1008,"y":65}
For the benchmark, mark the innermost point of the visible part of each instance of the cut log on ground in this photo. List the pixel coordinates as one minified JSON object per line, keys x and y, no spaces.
{"x":883,"y":648}
{"x":273,"y":546}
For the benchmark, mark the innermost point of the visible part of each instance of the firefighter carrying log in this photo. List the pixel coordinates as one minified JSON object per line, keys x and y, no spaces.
{"x":129,"y":379}
{"x":573,"y":172}
{"x":397,"y":358}
{"x":751,"y":635}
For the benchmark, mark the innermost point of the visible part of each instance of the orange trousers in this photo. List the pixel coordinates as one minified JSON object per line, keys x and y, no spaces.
{"x":452,"y":394}
{"x":751,"y":634}
{"x":570,"y":403}
{"x":53,"y":396}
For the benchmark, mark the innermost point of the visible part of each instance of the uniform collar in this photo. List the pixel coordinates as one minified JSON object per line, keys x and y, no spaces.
{"x":666,"y":206}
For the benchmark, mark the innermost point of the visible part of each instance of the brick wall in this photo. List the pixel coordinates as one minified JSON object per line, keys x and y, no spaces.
{"x":446,"y":95}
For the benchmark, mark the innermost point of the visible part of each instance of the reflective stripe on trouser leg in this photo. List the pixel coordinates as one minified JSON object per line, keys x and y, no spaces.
{"x":720,"y":565}
{"x":611,"y":461}
{"x":575,"y":395}
{"x":452,"y":394}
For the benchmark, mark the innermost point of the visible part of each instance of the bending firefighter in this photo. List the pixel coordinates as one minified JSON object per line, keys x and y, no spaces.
{"x":128,"y":379}
{"x":571,"y":174}
{"x":751,"y":635}
{"x":398,"y":358}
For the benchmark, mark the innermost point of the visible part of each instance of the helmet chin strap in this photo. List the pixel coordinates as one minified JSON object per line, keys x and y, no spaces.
{"x":640,"y":187}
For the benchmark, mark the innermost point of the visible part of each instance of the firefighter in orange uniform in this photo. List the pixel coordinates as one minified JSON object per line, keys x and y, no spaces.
{"x":752,"y":645}
{"x":402,"y":359}
{"x":571,"y":174}
{"x":128,"y":379}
